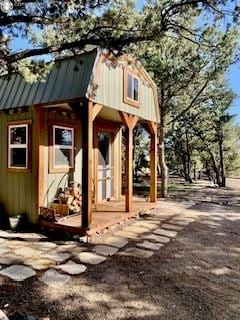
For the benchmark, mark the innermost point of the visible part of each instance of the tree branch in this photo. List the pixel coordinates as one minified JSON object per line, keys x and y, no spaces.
{"x":191,"y":104}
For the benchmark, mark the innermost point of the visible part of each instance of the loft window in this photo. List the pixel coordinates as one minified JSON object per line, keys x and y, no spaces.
{"x":18,"y":146}
{"x":63,"y":147}
{"x":131,"y":89}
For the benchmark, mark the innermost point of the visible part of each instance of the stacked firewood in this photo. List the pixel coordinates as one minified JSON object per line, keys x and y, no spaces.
{"x":71,"y":196}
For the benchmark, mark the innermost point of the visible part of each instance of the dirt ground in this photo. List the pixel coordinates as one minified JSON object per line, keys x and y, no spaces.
{"x":194,"y":277}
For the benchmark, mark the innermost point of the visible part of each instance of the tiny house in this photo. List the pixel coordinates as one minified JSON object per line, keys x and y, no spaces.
{"x":67,"y":130}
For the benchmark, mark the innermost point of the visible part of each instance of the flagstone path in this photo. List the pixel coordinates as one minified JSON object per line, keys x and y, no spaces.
{"x":24,"y":255}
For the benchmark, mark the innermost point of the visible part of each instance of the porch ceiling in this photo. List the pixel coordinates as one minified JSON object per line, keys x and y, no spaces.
{"x":113,"y":115}
{"x":109,"y":114}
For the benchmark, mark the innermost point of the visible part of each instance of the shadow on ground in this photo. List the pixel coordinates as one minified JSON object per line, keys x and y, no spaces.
{"x":194,"y":277}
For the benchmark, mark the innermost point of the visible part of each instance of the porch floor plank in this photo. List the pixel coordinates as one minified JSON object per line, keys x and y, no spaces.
{"x":108,"y":214}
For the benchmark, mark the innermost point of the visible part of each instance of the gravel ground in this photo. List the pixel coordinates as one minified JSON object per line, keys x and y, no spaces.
{"x":196,"y":276}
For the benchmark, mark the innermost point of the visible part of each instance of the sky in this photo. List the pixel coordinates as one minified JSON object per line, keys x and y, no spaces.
{"x":234,"y":82}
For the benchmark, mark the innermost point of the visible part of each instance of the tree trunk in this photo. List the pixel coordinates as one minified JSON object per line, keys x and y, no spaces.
{"x":215,"y":169}
{"x":189,"y":179}
{"x":163,"y":166}
{"x":194,"y":171}
{"x":223,"y":177}
{"x":184,"y":171}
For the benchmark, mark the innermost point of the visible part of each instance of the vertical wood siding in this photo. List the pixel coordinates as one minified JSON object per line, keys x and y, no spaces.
{"x":54,"y":181}
{"x":110,"y":93}
{"x":17,"y":190}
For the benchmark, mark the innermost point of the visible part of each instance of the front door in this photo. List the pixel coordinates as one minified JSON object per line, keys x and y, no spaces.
{"x":105,"y":166}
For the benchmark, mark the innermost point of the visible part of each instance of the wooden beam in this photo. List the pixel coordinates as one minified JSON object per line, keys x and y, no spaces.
{"x":129,"y":169}
{"x":150,"y":127}
{"x":87,"y":167}
{"x":39,"y":155}
{"x":95,"y":147}
{"x":153,"y":162}
{"x":96,"y":109}
{"x":129,"y":121}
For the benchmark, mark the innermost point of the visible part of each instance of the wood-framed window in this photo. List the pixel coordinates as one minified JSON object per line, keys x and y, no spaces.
{"x":19,"y":146}
{"x":61,"y":149}
{"x":131,"y":88}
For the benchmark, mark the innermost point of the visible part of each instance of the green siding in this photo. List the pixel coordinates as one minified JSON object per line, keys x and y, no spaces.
{"x":17,"y":190}
{"x":54,"y":181}
{"x":110,"y":93}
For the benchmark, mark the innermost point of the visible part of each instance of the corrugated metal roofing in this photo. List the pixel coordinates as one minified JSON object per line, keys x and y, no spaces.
{"x":69,"y":79}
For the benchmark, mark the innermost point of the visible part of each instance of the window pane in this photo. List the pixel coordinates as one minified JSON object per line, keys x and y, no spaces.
{"x":135,"y":89}
{"x":63,"y":136}
{"x":129,"y":86}
{"x":103,"y":147}
{"x":18,"y":157}
{"x":63,"y":157}
{"x":18,"y":135}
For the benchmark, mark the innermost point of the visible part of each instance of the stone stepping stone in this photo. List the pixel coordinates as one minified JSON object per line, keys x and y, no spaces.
{"x":26,"y":236}
{"x":188,"y":219}
{"x":3,"y":234}
{"x":166,"y":233}
{"x":113,"y":241}
{"x":137,"y":253}
{"x":28,"y":252}
{"x":146,"y":225}
{"x":3,"y":316}
{"x":221,"y":271}
{"x":171,"y":227}
{"x":182,"y":221}
{"x":149,"y":245}
{"x":3,"y":251}
{"x":18,"y":273}
{"x":72,"y":268}
{"x":157,"y":238}
{"x":58,"y":257}
{"x":16,"y":244}
{"x":45,"y":246}
{"x":126,"y":234}
{"x":75,"y":252}
{"x":39,"y":264}
{"x":53,"y":278}
{"x":22,"y":235}
{"x":154,"y":218}
{"x":104,"y":250}
{"x":66,"y":248}
{"x":11,"y":259}
{"x":136,"y":230}
{"x":90,"y":258}
{"x":4,"y":246}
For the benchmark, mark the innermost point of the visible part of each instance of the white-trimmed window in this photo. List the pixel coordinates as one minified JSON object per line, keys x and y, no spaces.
{"x":18,"y":146}
{"x":132,"y":87}
{"x":63,"y":147}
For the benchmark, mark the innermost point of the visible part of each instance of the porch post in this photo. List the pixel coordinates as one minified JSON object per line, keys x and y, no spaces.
{"x":87,"y":165}
{"x":153,"y":161}
{"x":129,"y":121}
{"x":39,"y":154}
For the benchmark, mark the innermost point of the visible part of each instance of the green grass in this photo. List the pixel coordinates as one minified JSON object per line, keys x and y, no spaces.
{"x":173,"y":187}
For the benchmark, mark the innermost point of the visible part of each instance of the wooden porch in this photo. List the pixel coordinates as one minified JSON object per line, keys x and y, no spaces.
{"x":108,"y":214}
